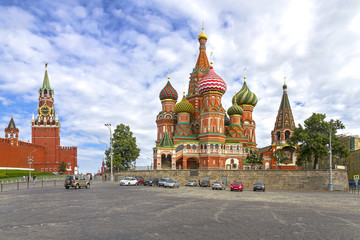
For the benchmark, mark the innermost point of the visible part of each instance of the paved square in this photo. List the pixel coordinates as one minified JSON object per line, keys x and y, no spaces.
{"x":108,"y":211}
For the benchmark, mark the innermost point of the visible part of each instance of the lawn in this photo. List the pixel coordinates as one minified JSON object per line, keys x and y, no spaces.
{"x":7,"y":173}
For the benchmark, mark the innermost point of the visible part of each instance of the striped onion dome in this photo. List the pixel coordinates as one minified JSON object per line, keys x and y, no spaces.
{"x":246,"y":97}
{"x":168,"y":92}
{"x":211,"y":82}
{"x":235,"y":109}
{"x":184,"y":106}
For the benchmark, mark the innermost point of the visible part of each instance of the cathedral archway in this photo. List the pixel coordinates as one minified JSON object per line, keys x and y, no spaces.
{"x":165,"y":161}
{"x":192,"y":163}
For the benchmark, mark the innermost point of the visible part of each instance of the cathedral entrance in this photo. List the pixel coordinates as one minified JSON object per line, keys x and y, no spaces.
{"x":192,"y":163}
{"x":166,"y":161}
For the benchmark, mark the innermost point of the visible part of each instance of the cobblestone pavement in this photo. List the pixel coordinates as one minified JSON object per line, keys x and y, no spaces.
{"x":108,"y":211}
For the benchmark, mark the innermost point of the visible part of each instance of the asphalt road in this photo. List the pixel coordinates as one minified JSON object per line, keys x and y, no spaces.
{"x":108,"y":211}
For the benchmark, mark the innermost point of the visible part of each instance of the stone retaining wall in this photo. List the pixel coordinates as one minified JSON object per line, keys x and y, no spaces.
{"x":273,"y":179}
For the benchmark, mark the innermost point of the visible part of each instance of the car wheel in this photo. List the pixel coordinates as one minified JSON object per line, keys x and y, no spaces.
{"x":241,"y":190}
{"x":264,"y":190}
{"x":77,"y":186}
{"x":67,"y":187}
{"x":88,"y":185}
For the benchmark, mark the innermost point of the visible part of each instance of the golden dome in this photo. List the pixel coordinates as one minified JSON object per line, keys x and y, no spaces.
{"x":202,"y":35}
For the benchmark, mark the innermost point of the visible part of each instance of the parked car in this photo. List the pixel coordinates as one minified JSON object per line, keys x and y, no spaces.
{"x":205,"y":183}
{"x":140,"y":180}
{"x":128,"y":181}
{"x":172,"y":184}
{"x":259,"y":186}
{"x":76,"y":181}
{"x":162,"y":181}
{"x":192,"y":183}
{"x":151,"y":181}
{"x":218,"y":185}
{"x":237,"y":186}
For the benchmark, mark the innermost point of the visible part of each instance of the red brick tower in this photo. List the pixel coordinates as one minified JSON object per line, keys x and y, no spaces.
{"x":12,"y":132}
{"x":46,"y":126}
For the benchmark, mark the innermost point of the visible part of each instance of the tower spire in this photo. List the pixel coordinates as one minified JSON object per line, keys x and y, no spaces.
{"x":46,"y":82}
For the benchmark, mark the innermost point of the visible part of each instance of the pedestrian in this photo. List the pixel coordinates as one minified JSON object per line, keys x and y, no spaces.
{"x":34,"y":177}
{"x":199,"y":182}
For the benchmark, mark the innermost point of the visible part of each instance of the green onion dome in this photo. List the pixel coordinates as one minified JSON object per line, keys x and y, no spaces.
{"x":235,"y":109}
{"x":168,"y":92}
{"x":184,"y":106}
{"x":246,"y":97}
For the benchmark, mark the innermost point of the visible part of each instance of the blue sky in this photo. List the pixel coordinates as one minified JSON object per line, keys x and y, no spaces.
{"x":108,"y":61}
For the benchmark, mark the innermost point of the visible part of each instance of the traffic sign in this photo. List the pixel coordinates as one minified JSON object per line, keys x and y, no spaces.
{"x":356,"y":177}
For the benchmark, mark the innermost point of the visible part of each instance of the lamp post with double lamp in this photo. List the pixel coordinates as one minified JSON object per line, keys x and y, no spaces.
{"x":108,"y":125}
{"x":101,"y":142}
{"x":30,"y":161}
{"x":330,"y":167}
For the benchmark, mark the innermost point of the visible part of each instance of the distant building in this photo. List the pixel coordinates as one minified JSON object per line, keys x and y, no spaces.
{"x":45,"y":149}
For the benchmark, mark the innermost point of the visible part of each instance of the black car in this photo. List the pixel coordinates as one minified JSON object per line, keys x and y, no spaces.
{"x":259,"y":186}
{"x":151,"y":181}
{"x":205,"y":183}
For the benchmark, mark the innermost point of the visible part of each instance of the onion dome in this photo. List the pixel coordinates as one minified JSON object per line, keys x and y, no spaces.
{"x":227,"y":120}
{"x":246,"y":97}
{"x":168,"y":92}
{"x":211,"y":82}
{"x":235,"y":109}
{"x":184,"y":106}
{"x":202,"y":35}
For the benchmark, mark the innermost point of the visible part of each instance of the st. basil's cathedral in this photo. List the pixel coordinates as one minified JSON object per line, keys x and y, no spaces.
{"x":198,"y":133}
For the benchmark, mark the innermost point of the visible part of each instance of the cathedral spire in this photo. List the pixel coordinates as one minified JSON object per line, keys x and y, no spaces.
{"x":285,"y":124}
{"x":46,"y":82}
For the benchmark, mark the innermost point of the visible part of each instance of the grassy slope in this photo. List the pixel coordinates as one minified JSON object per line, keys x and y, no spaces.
{"x":20,"y":173}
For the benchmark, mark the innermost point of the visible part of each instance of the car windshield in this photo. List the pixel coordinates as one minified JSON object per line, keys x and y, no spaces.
{"x":259,"y":183}
{"x":236,"y":183}
{"x":127,"y":178}
{"x":191,"y":181}
{"x":69,"y":177}
{"x":217,"y":182}
{"x":164,"y":179}
{"x":149,"y":179}
{"x":205,"y":181}
{"x":171,"y":181}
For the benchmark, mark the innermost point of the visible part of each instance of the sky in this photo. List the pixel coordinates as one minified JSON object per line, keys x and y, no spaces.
{"x":109,"y":60}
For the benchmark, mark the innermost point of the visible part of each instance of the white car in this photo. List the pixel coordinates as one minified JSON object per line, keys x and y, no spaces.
{"x":128,"y":181}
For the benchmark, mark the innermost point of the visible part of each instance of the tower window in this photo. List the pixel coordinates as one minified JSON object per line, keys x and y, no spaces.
{"x":287,"y":134}
{"x":278,"y":136}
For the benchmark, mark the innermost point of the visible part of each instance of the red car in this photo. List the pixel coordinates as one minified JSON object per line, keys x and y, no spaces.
{"x":140,"y":180}
{"x":237,"y":186}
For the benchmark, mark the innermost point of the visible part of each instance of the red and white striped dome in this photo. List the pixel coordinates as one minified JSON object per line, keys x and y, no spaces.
{"x":211,"y":82}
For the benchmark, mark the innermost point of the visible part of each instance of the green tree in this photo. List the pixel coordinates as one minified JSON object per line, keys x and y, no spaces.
{"x":125,"y":151}
{"x":313,"y":139}
{"x":62,"y":167}
{"x":254,"y":159}
{"x":279,"y":157}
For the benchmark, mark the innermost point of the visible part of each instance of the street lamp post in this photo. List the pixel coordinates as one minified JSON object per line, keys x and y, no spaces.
{"x":108,"y":125}
{"x":330,"y":167}
{"x":30,"y":161}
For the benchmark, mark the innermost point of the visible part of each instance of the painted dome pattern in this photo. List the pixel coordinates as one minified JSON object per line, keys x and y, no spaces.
{"x":246,"y":97}
{"x":235,"y":109}
{"x":211,"y":82}
{"x":184,"y":106}
{"x":168,"y":92}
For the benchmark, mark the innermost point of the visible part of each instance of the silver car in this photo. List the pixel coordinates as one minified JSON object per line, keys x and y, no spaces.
{"x":218,"y":185}
{"x":192,"y":183}
{"x":162,"y":181}
{"x":172,"y":184}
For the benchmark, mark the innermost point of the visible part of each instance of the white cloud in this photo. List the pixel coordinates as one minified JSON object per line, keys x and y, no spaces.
{"x":108,"y":62}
